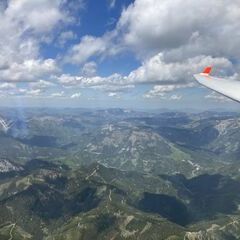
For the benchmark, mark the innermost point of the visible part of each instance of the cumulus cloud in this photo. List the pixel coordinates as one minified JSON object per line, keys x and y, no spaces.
{"x":7,"y":86}
{"x":89,"y":69}
{"x":91,"y":46}
{"x":57,"y":94}
{"x":68,"y":80}
{"x":28,"y":70}
{"x":172,"y":39}
{"x":76,"y":95}
{"x":160,"y":91}
{"x":158,"y":70}
{"x":112,"y":83}
{"x":33,"y":92}
{"x":65,"y":37}
{"x":117,"y":88}
{"x":41,"y":84}
{"x":38,"y":16}
{"x":112,"y":94}
{"x":185,"y":29}
{"x":88,"y":47}
{"x":217,"y":97}
{"x":178,"y":31}
{"x":24,"y":25}
{"x":16,"y":92}
{"x":175,"y":97}
{"x":166,"y":75}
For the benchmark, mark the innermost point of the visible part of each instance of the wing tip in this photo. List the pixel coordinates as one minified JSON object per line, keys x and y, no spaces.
{"x":207,"y":70}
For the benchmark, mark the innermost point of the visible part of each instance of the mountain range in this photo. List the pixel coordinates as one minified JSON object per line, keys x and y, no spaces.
{"x":119,"y":174}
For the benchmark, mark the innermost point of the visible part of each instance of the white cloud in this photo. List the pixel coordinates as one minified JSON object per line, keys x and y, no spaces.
{"x":109,"y":87}
{"x":112,"y":83}
{"x":173,"y":39}
{"x":89,"y":69}
{"x":24,"y":92}
{"x":217,"y":97}
{"x":187,"y":29}
{"x":24,"y":25}
{"x":112,"y":3}
{"x":155,"y":70}
{"x":7,"y":86}
{"x":65,"y":37}
{"x":76,"y":95}
{"x":81,"y":81}
{"x":57,"y":94}
{"x":175,"y":29}
{"x":175,"y":97}
{"x":28,"y":70}
{"x":40,"y":16}
{"x":91,"y":46}
{"x":33,"y":92}
{"x":112,"y":94}
{"x":32,"y":89}
{"x":158,"y":70}
{"x":160,"y":91}
{"x":41,"y":84}
{"x":88,"y":47}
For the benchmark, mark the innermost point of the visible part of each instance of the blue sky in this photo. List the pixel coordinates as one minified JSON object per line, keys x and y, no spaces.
{"x":116,"y":53}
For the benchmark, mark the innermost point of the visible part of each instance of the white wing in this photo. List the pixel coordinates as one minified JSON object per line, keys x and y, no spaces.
{"x":226,"y":87}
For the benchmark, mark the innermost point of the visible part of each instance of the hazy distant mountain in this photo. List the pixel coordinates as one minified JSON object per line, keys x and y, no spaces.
{"x":170,"y":142}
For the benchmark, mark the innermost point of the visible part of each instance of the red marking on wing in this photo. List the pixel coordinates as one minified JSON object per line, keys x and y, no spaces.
{"x":207,"y":70}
